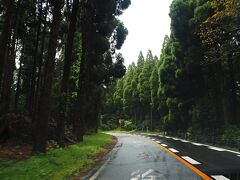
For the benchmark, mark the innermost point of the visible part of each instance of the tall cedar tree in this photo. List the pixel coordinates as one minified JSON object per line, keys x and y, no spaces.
{"x":44,"y":111}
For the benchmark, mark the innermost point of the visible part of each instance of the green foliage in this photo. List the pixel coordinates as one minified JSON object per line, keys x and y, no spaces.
{"x":231,"y":137}
{"x":144,"y":88}
{"x":56,"y":164}
{"x":128,"y":125}
{"x":107,"y":127}
{"x":193,"y":89}
{"x":109,"y":122}
{"x":121,"y":33}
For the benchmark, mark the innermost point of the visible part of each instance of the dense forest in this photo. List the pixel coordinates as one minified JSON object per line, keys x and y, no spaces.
{"x":62,"y":76}
{"x":56,"y":59}
{"x":193,"y":89}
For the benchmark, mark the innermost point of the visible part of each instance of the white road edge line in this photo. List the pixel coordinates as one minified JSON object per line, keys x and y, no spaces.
{"x":216,"y":148}
{"x":220,"y":177}
{"x":190,"y":160}
{"x":197,"y":144}
{"x":158,"y":142}
{"x":221,"y":149}
{"x":95,"y":176}
{"x":184,"y":140}
{"x":173,"y":150}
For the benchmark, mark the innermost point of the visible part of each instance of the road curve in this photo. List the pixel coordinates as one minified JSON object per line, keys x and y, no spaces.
{"x":137,"y":158}
{"x":219,"y":163}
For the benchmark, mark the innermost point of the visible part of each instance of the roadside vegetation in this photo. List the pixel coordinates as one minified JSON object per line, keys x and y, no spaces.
{"x":192,"y":89}
{"x":56,"y":59}
{"x":62,"y":76}
{"x":58,"y":163}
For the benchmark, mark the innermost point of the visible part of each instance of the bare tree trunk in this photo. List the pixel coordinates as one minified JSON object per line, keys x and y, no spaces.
{"x":46,"y":89}
{"x":66,"y":73}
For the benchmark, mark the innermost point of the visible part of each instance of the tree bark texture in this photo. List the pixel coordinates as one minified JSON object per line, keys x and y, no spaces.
{"x":46,"y":89}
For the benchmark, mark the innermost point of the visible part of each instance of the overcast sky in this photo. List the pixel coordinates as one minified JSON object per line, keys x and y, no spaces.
{"x":147,"y":22}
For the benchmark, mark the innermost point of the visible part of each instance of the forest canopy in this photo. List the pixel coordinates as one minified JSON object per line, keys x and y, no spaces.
{"x":56,"y":58}
{"x":62,"y":76}
{"x":192,"y":89}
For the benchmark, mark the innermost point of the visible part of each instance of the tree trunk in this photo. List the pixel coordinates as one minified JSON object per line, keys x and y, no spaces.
{"x":18,"y":80}
{"x":151,"y":116}
{"x":34,"y":66}
{"x":10,"y":66}
{"x":5,"y":37}
{"x":232,"y":93}
{"x":80,"y":106}
{"x":46,"y":89}
{"x":66,"y":73}
{"x":39,"y":74}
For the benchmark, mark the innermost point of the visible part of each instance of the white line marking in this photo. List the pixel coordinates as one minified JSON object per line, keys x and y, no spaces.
{"x":197,"y":144}
{"x":221,"y":149}
{"x":158,"y":142}
{"x":153,"y":139}
{"x":216,"y":148}
{"x":235,"y":152}
{"x":190,"y":160}
{"x":164,"y":145}
{"x":147,"y":173}
{"x":220,"y":177}
{"x":173,"y":150}
{"x":184,"y":140}
{"x":95,"y":176}
{"x":176,"y":139}
{"x":135,"y":172}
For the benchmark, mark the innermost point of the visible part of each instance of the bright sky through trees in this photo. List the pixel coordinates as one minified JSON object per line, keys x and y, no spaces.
{"x":147,"y":22}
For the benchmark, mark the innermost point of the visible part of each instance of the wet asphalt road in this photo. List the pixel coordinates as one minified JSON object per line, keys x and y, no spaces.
{"x":213,"y":160}
{"x":136,"y":158}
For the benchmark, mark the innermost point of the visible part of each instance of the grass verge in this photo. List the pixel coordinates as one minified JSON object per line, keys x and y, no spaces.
{"x":58,"y":163}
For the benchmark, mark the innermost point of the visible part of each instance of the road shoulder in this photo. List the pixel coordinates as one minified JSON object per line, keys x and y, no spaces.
{"x":99,"y":159}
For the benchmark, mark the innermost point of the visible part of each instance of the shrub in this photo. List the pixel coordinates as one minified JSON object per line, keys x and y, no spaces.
{"x":128,"y":125}
{"x":108,"y":127}
{"x":231,"y":137}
